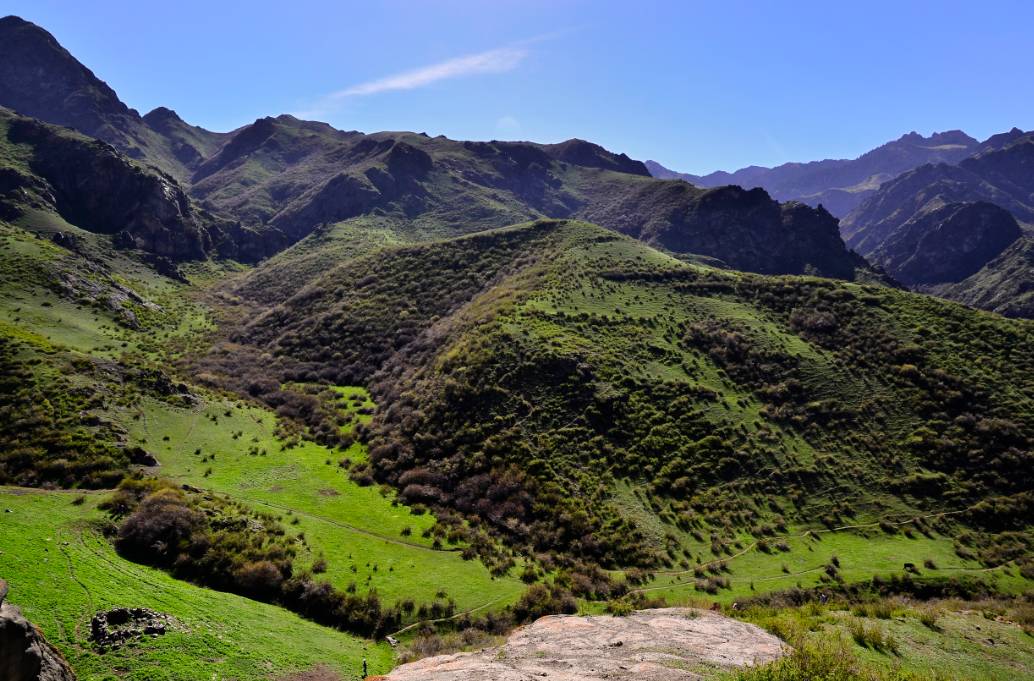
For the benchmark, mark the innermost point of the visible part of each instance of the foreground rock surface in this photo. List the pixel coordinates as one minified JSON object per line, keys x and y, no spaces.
{"x":24,"y":654}
{"x":651,"y":645}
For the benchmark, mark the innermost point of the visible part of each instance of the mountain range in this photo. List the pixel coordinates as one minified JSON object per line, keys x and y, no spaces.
{"x":266,"y":185}
{"x":961,"y":231}
{"x":277,"y":179}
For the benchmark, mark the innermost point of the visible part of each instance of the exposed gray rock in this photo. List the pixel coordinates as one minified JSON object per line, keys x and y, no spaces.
{"x":25,"y":654}
{"x":670,"y":644}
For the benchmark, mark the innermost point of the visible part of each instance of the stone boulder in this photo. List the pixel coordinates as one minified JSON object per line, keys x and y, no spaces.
{"x":25,"y":654}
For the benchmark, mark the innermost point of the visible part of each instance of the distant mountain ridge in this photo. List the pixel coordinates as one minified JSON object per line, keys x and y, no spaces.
{"x":839,"y":184}
{"x":287,"y":176}
{"x":931,"y":211}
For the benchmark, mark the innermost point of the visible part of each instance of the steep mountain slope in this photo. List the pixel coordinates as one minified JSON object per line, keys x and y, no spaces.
{"x":534,"y":373}
{"x":839,"y":185}
{"x":1004,"y":285}
{"x":39,"y":78}
{"x":1001,"y":176}
{"x":936,"y":214}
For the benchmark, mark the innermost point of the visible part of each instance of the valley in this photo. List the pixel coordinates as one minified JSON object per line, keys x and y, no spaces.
{"x":326,"y":402}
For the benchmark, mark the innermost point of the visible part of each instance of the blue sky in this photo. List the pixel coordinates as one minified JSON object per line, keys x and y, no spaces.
{"x":697,"y":86}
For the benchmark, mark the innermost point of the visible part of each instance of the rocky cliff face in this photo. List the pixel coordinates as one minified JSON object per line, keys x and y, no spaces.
{"x":745,"y":229}
{"x":25,"y":655}
{"x":94,"y":187}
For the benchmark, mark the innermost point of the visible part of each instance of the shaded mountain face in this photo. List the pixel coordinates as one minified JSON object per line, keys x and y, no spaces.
{"x":1004,"y":285}
{"x":746,"y":229}
{"x":40,"y":78}
{"x":947,"y":244}
{"x":1003,"y":176}
{"x":939,"y":225}
{"x":839,"y":184}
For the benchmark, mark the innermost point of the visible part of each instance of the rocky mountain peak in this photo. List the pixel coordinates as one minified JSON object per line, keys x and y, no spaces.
{"x":160,"y":115}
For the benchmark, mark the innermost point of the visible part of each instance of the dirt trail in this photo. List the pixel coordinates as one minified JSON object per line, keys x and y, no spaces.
{"x":669,"y":644}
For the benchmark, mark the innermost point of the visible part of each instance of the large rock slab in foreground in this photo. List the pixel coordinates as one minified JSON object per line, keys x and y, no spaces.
{"x":670,"y":644}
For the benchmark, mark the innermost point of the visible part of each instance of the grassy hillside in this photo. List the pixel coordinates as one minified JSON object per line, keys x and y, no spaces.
{"x":551,"y":398}
{"x":897,"y":640}
{"x":437,"y":400}
{"x":585,"y":395}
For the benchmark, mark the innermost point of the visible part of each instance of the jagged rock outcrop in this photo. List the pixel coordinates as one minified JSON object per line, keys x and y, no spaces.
{"x":25,"y":654}
{"x":746,"y":229}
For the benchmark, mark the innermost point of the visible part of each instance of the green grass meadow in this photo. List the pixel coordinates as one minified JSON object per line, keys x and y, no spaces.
{"x":61,"y":572}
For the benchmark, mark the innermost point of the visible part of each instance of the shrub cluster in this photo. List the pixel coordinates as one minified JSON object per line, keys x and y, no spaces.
{"x":224,"y":545}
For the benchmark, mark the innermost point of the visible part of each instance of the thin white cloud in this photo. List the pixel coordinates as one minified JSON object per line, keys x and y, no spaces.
{"x":493,"y":61}
{"x":498,"y":60}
